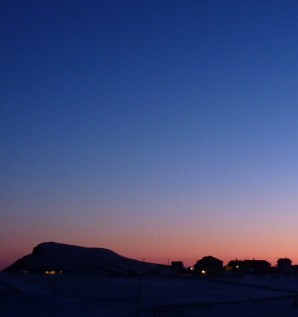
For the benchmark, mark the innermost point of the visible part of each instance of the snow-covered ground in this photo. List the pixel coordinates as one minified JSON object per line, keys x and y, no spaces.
{"x":86,"y":295}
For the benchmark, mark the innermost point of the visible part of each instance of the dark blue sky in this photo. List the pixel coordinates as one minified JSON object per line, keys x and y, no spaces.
{"x":125,"y":118}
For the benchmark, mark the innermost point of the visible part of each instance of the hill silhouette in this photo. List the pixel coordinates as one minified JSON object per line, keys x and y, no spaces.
{"x":58,"y":257}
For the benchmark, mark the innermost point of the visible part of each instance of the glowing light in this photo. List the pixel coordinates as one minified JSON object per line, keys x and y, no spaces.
{"x":53,"y":272}
{"x":203,"y":272}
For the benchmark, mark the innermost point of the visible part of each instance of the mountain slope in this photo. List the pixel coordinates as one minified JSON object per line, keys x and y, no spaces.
{"x":49,"y":256}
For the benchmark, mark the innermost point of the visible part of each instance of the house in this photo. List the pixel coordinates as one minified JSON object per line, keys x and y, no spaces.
{"x":284,"y":265}
{"x":235,"y":265}
{"x":208,"y":265}
{"x":295,"y":269}
{"x":256,"y":266}
{"x":177,"y":266}
{"x":249,"y":266}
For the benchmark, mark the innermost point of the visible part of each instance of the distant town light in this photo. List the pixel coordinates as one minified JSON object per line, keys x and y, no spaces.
{"x":53,"y":272}
{"x":203,"y":272}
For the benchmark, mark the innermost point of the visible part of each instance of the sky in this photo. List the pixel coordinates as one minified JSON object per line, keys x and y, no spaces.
{"x":163,"y":130}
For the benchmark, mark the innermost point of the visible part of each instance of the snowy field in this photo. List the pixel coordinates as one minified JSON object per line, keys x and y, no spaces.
{"x":83,"y":295}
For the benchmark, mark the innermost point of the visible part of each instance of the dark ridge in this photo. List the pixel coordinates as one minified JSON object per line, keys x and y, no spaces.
{"x":59,"y":257}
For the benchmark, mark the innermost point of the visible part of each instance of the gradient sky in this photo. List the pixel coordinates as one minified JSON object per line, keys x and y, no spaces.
{"x":158,"y":129}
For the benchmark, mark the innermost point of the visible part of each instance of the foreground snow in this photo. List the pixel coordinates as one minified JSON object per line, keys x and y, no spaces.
{"x":85,"y":295}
